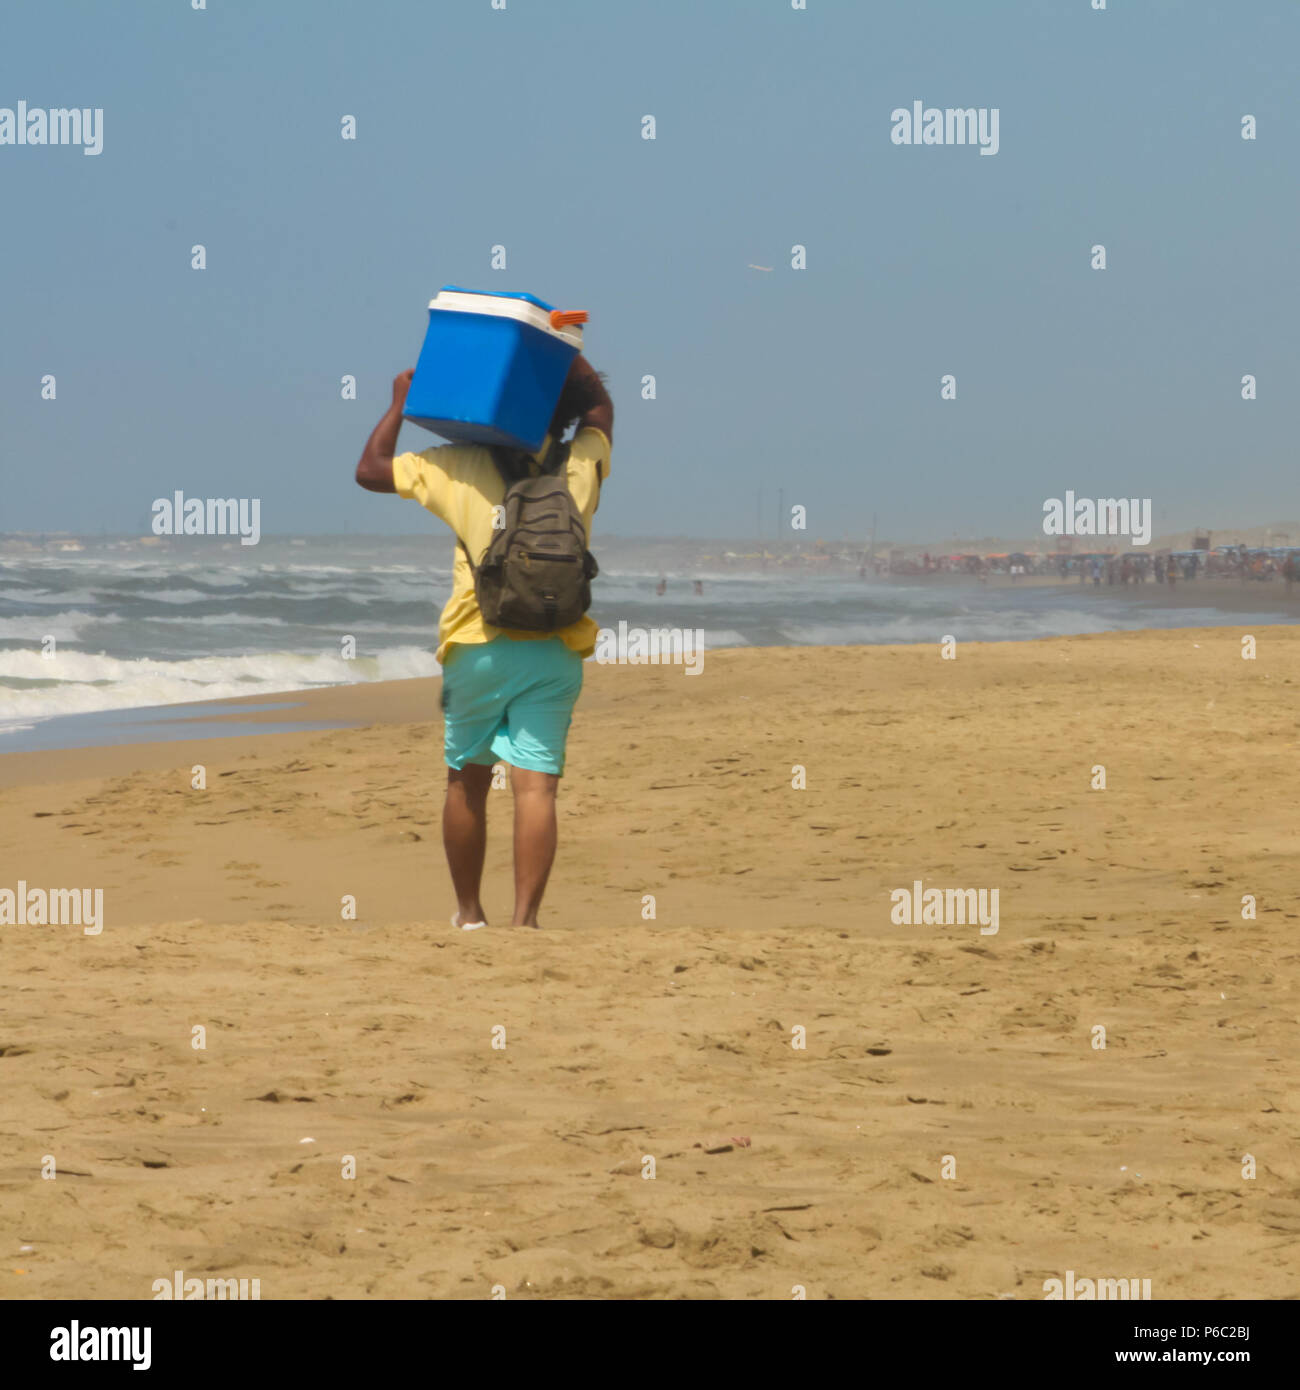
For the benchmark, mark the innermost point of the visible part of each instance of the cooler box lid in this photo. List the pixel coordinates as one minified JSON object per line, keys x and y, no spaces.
{"x":564,"y":324}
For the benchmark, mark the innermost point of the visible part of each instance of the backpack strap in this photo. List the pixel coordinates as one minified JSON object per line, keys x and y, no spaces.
{"x":556,"y":457}
{"x":511,"y":465}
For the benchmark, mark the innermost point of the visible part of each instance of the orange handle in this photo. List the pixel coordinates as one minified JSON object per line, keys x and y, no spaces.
{"x":562,"y":318}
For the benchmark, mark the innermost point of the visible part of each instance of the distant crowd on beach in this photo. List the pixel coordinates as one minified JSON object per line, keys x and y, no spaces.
{"x":1131,"y":567}
{"x":1169,"y":567}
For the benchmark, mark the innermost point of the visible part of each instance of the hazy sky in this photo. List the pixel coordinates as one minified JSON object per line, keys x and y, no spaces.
{"x":523,"y":127}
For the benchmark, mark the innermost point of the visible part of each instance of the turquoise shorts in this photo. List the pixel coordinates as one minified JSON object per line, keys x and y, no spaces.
{"x":508,"y":701}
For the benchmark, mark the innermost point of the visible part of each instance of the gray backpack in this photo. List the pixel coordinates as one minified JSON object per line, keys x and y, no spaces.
{"x":536,"y":573}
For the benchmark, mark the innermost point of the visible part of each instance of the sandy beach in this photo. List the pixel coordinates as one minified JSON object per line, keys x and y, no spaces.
{"x":929,"y":1048}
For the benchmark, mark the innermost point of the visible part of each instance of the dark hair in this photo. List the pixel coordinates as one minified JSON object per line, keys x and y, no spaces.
{"x":580,"y":394}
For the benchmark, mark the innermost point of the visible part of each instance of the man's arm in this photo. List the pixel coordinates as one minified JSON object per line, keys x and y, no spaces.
{"x":599,"y":416}
{"x":375,"y":469}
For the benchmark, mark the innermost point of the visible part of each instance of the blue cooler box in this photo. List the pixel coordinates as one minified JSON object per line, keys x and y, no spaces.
{"x":492,"y":366}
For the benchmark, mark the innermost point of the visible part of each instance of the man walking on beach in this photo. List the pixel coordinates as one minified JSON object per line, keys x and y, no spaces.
{"x":507,"y":696}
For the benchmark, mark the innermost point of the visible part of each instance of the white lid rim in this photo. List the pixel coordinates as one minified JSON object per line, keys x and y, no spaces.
{"x":501,"y":306}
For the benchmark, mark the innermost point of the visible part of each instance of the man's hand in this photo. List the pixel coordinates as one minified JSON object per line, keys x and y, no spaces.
{"x":375,"y":469}
{"x":401,"y":385}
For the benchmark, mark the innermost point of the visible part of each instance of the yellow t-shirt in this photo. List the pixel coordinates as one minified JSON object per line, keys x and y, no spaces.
{"x":460,"y":484}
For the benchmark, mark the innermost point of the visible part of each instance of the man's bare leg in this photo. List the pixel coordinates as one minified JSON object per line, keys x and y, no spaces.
{"x":535,"y":836}
{"x":464,"y":835}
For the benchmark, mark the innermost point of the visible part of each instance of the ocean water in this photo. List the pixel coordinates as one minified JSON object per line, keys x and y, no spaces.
{"x":208,"y":619}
